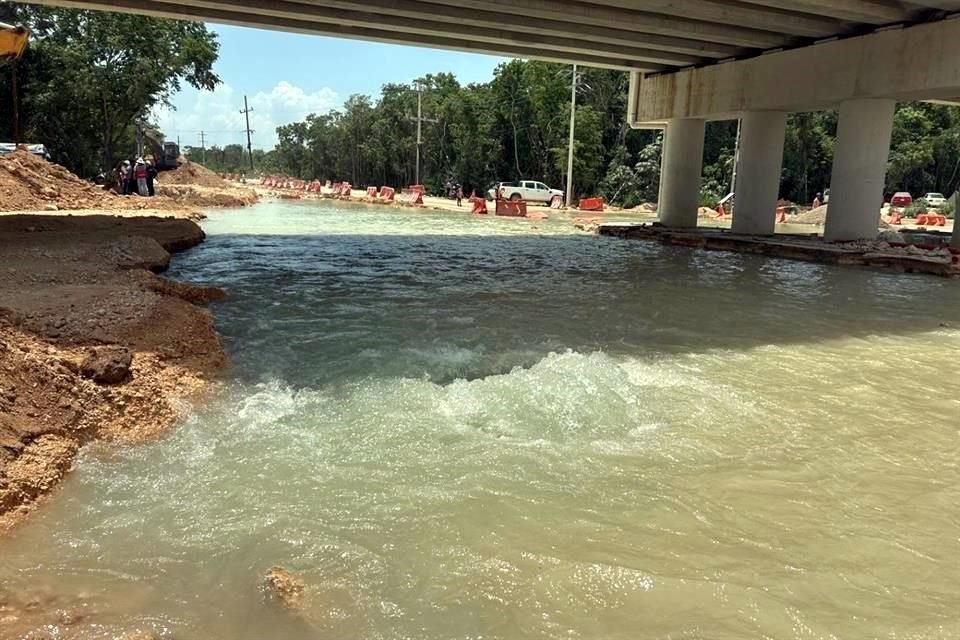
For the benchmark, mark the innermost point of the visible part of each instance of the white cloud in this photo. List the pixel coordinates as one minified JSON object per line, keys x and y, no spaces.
{"x":218,"y":113}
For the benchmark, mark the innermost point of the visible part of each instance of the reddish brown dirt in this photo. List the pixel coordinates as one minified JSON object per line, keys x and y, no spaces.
{"x":189,"y":195}
{"x":29,"y":183}
{"x":192,"y":173}
{"x":72,"y":287}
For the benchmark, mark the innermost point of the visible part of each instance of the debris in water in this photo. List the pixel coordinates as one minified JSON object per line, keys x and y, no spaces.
{"x":282,"y":585}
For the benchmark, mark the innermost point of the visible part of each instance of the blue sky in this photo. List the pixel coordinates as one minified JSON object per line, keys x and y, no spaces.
{"x":287,"y":76}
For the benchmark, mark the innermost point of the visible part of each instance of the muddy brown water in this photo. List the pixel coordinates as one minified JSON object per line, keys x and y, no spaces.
{"x":456,"y":427}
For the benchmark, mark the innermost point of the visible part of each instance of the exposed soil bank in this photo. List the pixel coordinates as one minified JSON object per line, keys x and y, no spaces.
{"x":93,"y":345}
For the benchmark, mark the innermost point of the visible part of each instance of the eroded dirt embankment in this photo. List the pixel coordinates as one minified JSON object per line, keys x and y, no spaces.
{"x":93,"y":344}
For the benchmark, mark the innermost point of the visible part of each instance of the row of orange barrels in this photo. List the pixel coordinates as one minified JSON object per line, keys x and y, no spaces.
{"x":922,"y":219}
{"x":412,"y":195}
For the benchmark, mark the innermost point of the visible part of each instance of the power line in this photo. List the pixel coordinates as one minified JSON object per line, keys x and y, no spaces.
{"x":246,"y":112}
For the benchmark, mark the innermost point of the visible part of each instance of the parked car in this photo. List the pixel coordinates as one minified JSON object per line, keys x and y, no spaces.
{"x":934,"y":200}
{"x":901,"y":200}
{"x":528,"y":190}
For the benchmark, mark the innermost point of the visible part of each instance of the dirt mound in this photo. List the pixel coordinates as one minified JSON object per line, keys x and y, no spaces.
{"x":190,"y":195}
{"x":816,"y":216}
{"x":192,"y":173}
{"x":706,"y":212}
{"x":30,"y":183}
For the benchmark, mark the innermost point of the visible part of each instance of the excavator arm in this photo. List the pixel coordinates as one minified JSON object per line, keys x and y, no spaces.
{"x":13,"y":40}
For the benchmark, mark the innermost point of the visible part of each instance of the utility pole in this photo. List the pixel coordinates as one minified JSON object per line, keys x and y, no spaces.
{"x":573,"y":124}
{"x":420,"y":120}
{"x":139,"y":138}
{"x":246,"y":111}
{"x":203,"y":148}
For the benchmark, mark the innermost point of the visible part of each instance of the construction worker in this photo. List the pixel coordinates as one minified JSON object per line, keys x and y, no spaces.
{"x":151,"y":176}
{"x":140,"y":176}
{"x":123,"y":173}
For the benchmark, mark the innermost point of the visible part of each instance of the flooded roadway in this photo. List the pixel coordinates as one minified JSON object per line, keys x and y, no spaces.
{"x":461,"y":427}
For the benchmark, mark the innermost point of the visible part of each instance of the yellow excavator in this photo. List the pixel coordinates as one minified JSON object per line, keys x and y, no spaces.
{"x":13,"y":40}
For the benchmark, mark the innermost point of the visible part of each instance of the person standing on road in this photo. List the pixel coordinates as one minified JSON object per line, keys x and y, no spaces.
{"x":123,"y":174}
{"x":140,"y":176}
{"x":151,"y":176}
{"x":459,"y":195}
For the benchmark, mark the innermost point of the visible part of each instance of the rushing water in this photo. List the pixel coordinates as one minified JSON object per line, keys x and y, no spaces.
{"x":460,"y":427}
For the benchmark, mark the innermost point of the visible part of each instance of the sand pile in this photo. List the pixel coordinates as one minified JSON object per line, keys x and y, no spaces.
{"x":816,"y":216}
{"x":706,"y":212}
{"x":192,"y":173}
{"x":190,"y":195}
{"x":29,"y":183}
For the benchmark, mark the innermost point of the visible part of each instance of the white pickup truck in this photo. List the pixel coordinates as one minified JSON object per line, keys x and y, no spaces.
{"x":528,"y":190}
{"x":934,"y":200}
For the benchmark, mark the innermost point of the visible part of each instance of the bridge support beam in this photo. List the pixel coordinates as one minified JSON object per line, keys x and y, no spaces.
{"x":762,"y":136}
{"x":680,"y":172}
{"x":859,"y":169}
{"x":955,"y":238}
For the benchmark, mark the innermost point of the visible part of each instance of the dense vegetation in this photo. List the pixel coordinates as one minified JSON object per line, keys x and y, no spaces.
{"x":88,"y":76}
{"x":516,"y":126}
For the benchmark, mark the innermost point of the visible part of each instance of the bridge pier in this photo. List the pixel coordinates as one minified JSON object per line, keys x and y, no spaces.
{"x":762,"y":135}
{"x":859,"y":169}
{"x":680,"y":172}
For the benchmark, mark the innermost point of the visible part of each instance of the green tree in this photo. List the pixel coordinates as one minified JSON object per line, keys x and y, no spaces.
{"x":88,"y":76}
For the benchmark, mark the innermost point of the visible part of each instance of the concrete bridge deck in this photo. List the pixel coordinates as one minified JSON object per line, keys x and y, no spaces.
{"x":642,"y":35}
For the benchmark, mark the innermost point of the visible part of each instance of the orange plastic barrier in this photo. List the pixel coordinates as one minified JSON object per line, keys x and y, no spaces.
{"x":896,"y":218}
{"x":781,"y":216}
{"x":345,"y":189}
{"x":371,"y":192}
{"x":931,"y":220}
{"x":479,"y":206}
{"x":417,"y":187}
{"x":414,"y":198}
{"x":721,"y":212}
{"x":511,"y":209}
{"x":387,"y":193}
{"x":591,"y":204}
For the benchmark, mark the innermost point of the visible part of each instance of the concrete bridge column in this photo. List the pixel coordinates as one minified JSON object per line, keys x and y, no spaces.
{"x":680,"y":172}
{"x":859,"y":169}
{"x":762,"y":136}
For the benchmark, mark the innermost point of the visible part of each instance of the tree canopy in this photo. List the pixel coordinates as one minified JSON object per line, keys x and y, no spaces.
{"x":88,"y":76}
{"x":516,"y":127}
